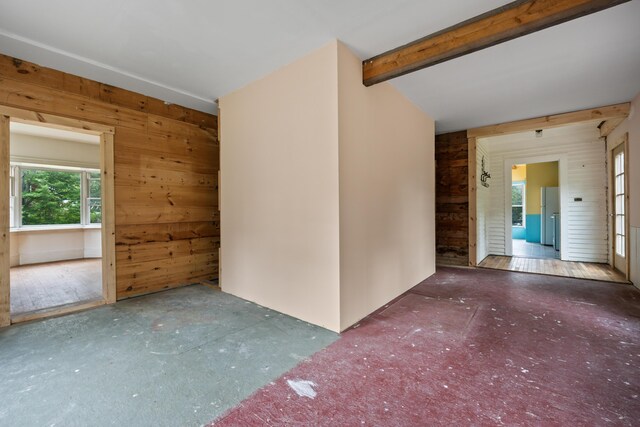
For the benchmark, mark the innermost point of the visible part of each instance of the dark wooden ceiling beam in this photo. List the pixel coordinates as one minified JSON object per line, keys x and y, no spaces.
{"x":513,"y":20}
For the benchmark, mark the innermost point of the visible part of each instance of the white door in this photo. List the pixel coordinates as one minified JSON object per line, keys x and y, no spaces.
{"x":619,"y":209}
{"x":543,"y":215}
{"x":553,"y":207}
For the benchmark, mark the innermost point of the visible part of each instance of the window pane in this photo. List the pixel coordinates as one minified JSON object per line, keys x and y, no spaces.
{"x":12,"y":222}
{"x":620,"y":245}
{"x":621,"y":156}
{"x":516,"y":194}
{"x":94,"y":188}
{"x":95,"y":211}
{"x":50,"y":197}
{"x":516,"y":216}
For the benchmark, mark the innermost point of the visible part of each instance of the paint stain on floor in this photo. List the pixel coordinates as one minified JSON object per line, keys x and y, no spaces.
{"x":471,"y":347}
{"x":303,"y":388}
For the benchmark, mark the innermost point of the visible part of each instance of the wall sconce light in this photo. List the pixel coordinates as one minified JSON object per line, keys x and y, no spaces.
{"x":485,"y":175}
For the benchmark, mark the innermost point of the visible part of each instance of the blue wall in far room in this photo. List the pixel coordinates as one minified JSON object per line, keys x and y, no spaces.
{"x":533,"y":228}
{"x":518,"y":233}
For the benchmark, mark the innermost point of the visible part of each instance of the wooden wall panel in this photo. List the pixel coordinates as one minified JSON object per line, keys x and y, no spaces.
{"x":139,"y":234}
{"x":5,"y":318}
{"x":452,"y":199}
{"x":166,"y":163}
{"x":34,"y":74}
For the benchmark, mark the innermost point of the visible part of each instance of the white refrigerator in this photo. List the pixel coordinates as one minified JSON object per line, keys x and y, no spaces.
{"x":550,"y":204}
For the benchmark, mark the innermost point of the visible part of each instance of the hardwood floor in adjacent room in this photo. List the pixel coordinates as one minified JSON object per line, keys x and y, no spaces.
{"x":40,"y":286}
{"x":554,"y":267}
{"x":522,"y":248}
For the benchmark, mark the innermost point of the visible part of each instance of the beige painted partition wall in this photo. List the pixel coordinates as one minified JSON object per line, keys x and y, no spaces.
{"x":387,"y":193}
{"x":327,"y":191}
{"x":279,"y":190}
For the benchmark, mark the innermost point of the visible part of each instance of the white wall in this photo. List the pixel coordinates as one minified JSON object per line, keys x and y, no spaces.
{"x":29,"y":246}
{"x":37,"y":246}
{"x":92,"y":243}
{"x":631,"y":125}
{"x":387,"y":193}
{"x":47,"y":151}
{"x":584,"y":223}
{"x":279,"y":190}
{"x":482,"y":200}
{"x":634,"y":189}
{"x":327,"y":191}
{"x":14,"y":250}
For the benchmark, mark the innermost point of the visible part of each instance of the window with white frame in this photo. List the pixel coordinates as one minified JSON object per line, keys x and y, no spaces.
{"x":50,"y":196}
{"x":94,"y":198}
{"x":620,"y":229}
{"x":12,"y":196}
{"x":518,"y":204}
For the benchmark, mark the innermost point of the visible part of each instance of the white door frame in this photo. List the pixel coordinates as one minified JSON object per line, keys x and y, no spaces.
{"x":563,"y":181}
{"x":624,"y":142}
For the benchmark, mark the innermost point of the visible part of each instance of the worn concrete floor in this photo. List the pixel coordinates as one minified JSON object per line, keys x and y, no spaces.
{"x":177,"y":358}
{"x":472,"y":347}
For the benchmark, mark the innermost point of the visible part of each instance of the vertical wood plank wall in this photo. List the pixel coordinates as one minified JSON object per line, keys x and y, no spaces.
{"x":452,"y":199}
{"x":166,"y":163}
{"x":473,"y":207}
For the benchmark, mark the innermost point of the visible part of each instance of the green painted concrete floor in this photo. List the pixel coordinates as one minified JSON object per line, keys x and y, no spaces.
{"x":176,"y":358}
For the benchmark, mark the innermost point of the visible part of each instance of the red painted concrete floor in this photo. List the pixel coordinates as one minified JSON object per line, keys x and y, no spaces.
{"x":474,"y":347}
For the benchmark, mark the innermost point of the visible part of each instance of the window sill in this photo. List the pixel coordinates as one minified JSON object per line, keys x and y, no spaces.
{"x":57,"y":228}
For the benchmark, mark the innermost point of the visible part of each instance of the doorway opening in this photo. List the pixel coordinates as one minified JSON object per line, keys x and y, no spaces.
{"x":55,"y":218}
{"x":57,"y":252}
{"x":535,"y":210}
{"x":543,"y":205}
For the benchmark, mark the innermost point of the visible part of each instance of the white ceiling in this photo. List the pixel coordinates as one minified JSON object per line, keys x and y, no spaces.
{"x":191,"y":52}
{"x":52,"y":133}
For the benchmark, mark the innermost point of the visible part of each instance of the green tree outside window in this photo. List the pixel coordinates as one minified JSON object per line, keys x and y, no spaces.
{"x":50,"y":197}
{"x":517,"y":204}
{"x":94,"y":199}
